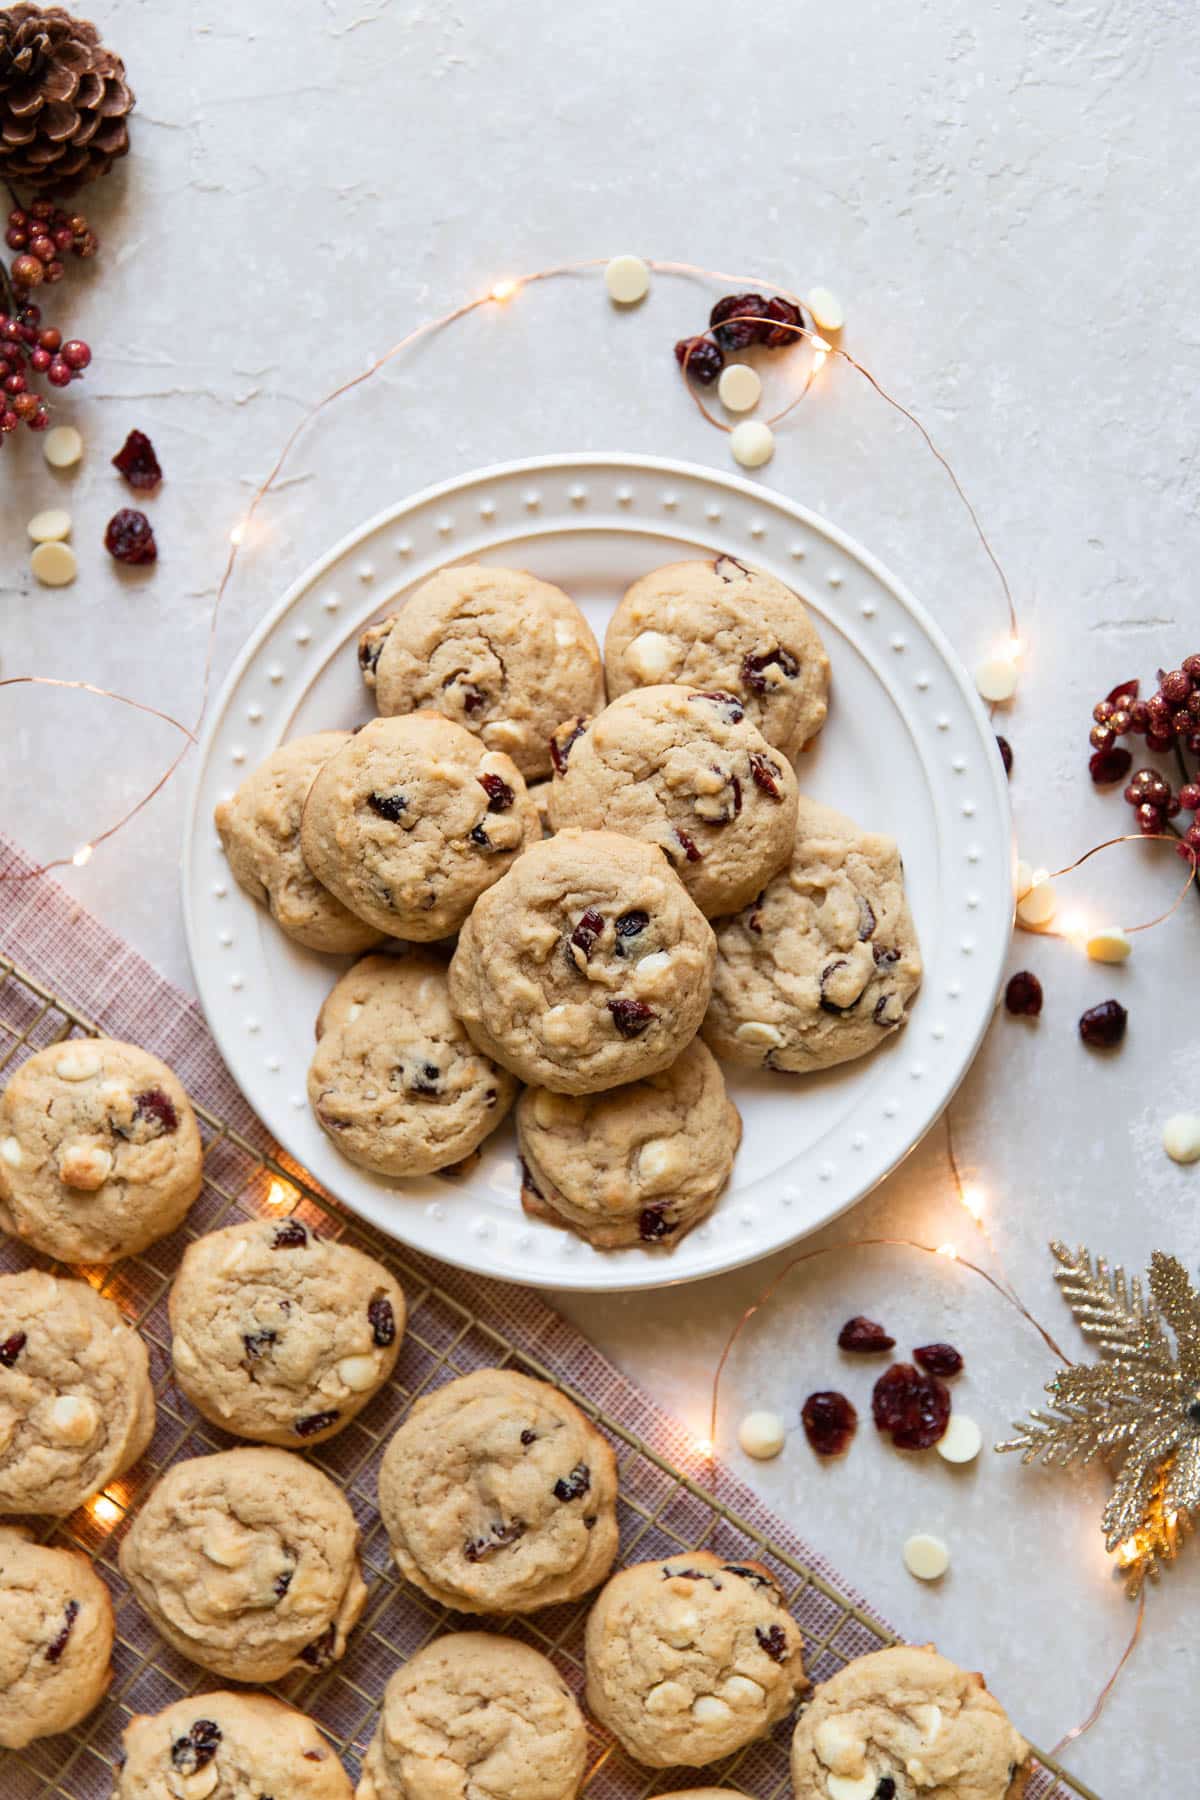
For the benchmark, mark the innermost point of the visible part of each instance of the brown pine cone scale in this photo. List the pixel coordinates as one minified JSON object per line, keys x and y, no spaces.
{"x":64,"y":100}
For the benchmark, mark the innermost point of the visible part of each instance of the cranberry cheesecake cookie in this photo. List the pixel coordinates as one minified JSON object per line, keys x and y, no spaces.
{"x":690,"y":1658}
{"x":411,"y":820}
{"x":100,"y":1153}
{"x":259,"y":829}
{"x":395,"y":1081}
{"x":247,"y":1562}
{"x":722,"y":626}
{"x":687,"y":771}
{"x":499,"y":1496}
{"x":279,"y":1335}
{"x":56,"y":1637}
{"x":586,"y":966}
{"x":475,"y":1714}
{"x":496,"y":650}
{"x":824,"y":964}
{"x":228,"y":1747}
{"x":903,"y":1723}
{"x":76,"y":1404}
{"x":640,"y":1164}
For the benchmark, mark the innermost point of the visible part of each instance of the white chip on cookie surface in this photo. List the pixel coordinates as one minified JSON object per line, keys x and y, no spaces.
{"x":72,"y":1419}
{"x":79,"y":1063}
{"x":926,"y":1556}
{"x":759,"y":1033}
{"x":852,"y":1787}
{"x":10,"y":1150}
{"x":650,"y":656}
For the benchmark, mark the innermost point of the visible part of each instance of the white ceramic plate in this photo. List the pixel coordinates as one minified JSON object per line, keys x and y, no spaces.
{"x":907,"y":749}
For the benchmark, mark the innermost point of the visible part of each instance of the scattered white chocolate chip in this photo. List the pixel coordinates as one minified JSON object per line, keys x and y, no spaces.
{"x":661,"y":1159}
{"x":1039,"y":905}
{"x":62,"y":447}
{"x":73,"y":1419}
{"x":840,"y":1747}
{"x":565,"y":1024}
{"x":353,"y":1012}
{"x":996,"y":678}
{"x":761,"y":1434}
{"x":503,"y":734}
{"x":650,"y":655}
{"x":739,"y":1690}
{"x":1022,"y":880}
{"x":10,"y":1150}
{"x":740,"y":387}
{"x":627,"y":279}
{"x":79,"y":1063}
{"x":182,"y":1354}
{"x":649,"y":971}
{"x":1109,"y":945}
{"x":666,"y":1697}
{"x":759,"y":1033}
{"x":679,"y":1628}
{"x":554,"y":1109}
{"x":358,"y":1373}
{"x":752,"y":443}
{"x":54,"y":565}
{"x":927,"y":1719}
{"x":708,"y":1710}
{"x":49,"y":526}
{"x":226,"y":1547}
{"x":199,"y":1785}
{"x":1181,"y":1137}
{"x":564,"y":635}
{"x":84,"y":1166}
{"x":851,"y":1787}
{"x":925,"y":1557}
{"x":961,"y":1441}
{"x":828,"y":313}
{"x":234,"y":1254}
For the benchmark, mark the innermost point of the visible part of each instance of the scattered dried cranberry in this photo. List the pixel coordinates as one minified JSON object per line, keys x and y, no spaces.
{"x":653,"y":1224}
{"x":866,"y":919}
{"x":829,"y":1422}
{"x":630,"y":1017}
{"x":70,"y":1614}
{"x":887,"y":1788}
{"x":753,"y":666}
{"x":913,"y":1407}
{"x":11,"y":1348}
{"x":480,"y":837}
{"x":314,"y":1422}
{"x":730,"y":705}
{"x":499,"y":1537}
{"x":291,"y":1235}
{"x":319,"y":1654}
{"x":778,"y":336}
{"x":198,"y":1748}
{"x":137,"y":462}
{"x":528,"y":1436}
{"x":701,"y":358}
{"x":1006,"y":755}
{"x":500,"y":795}
{"x":863,"y":1337}
{"x":575,"y":1485}
{"x":630,"y":924}
{"x":156,"y":1105}
{"x":382,"y":1321}
{"x":257,"y":1341}
{"x":1023,"y":995}
{"x":748,"y":310}
{"x":884,"y":956}
{"x":562,"y":741}
{"x":766,"y":774}
{"x":129,"y":537}
{"x":1102,"y":1027}
{"x":587,"y":931}
{"x":689,"y":846}
{"x":388,"y":806}
{"x":773,"y":1640}
{"x":283,"y":1582}
{"x":1109,"y":765}
{"x":939,"y":1359}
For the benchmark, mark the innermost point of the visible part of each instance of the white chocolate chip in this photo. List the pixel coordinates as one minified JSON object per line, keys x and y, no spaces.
{"x":760,"y":1034}
{"x":740,"y":387}
{"x":358,"y":1373}
{"x":928,"y":1720}
{"x":662,"y":1159}
{"x":961,"y":1440}
{"x":925,"y":1557}
{"x":1023,"y":880}
{"x":761,"y":1434}
{"x":84,"y":1166}
{"x":62,"y":447}
{"x":503,"y":734}
{"x":78,"y":1063}
{"x":708,"y":1710}
{"x":200,"y":1785}
{"x":679,"y":1627}
{"x":73,"y":1419}
{"x":353,"y":1012}
{"x":554,"y":1109}
{"x":228,"y":1548}
{"x":234,"y":1253}
{"x":918,"y":1772}
{"x":183,"y":1356}
{"x":1181,"y":1137}
{"x":752,"y":443}
{"x":851,"y":1787}
{"x":839,"y":1747}
{"x":666,"y":1697}
{"x":828,"y":313}
{"x":1040,"y":904}
{"x":996,"y":679}
{"x":10,"y":1150}
{"x":564,"y":635}
{"x":627,"y":279}
{"x":650,"y":656}
{"x":54,"y":565}
{"x":565,"y":1024}
{"x":49,"y":526}
{"x":649,"y":972}
{"x":1109,"y":945}
{"x":739,"y":1690}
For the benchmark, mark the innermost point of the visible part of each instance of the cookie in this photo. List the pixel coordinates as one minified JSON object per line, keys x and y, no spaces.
{"x":499,"y":1496}
{"x":395,"y":1081}
{"x":259,"y":828}
{"x":720,"y":625}
{"x":100,"y":1153}
{"x":640,"y":1164}
{"x":411,"y":820}
{"x":228,"y":1747}
{"x":476,"y":1715}
{"x":56,"y":1636}
{"x":76,"y":1404}
{"x":280,"y":1335}
{"x":689,"y":772}
{"x":247,"y":1563}
{"x":496,"y":650}
{"x":690,"y":1658}
{"x":586,"y":966}
{"x":825,"y":963}
{"x":539,"y":793}
{"x":905,"y":1722}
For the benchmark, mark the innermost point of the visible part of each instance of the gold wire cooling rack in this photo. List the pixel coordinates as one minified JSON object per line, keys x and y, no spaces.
{"x":663,"y":1509}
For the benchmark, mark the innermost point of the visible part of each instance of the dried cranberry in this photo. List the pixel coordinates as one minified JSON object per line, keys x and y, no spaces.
{"x":589,"y":928}
{"x":528,"y":1436}
{"x":156,"y":1106}
{"x":137,"y":462}
{"x":866,"y":919}
{"x":913,"y":1407}
{"x":939,"y":1359}
{"x":630,"y":924}
{"x":1006,"y":755}
{"x":319,"y":1654}
{"x":766,"y":774}
{"x":198,"y":1748}
{"x":129,"y":537}
{"x":631,"y":1017}
{"x":574,"y":1485}
{"x":563,"y":740}
{"x":70,"y":1614}
{"x":653,"y":1224}
{"x":753,"y":666}
{"x":773,"y":1640}
{"x":501,"y":1534}
{"x":1103,"y":1026}
{"x":884,"y":956}
{"x":756,"y":1578}
{"x":730,"y":705}
{"x":256,"y":1342}
{"x":1023,"y":995}
{"x":283,"y":1582}
{"x":887,"y":1787}
{"x":701,"y":357}
{"x":370,"y":649}
{"x":290,"y":1235}
{"x":1109,"y":765}
{"x":480,"y":838}
{"x":388,"y":806}
{"x":863,"y":1337}
{"x":473,"y":698}
{"x":748,"y":310}
{"x":829,"y":1422}
{"x":314,"y":1422}
{"x":688,"y":846}
{"x":832,"y":1006}
{"x":778,"y":336}
{"x":382,"y":1321}
{"x":425,"y":1080}
{"x":11,"y":1348}
{"x":500,"y":795}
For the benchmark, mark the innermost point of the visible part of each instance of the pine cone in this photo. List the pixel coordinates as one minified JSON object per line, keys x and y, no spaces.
{"x":64,"y":102}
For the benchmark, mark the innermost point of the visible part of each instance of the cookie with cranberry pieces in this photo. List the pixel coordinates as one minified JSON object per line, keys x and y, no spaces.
{"x":253,"y":1745}
{"x":280,"y":1335}
{"x":723,"y":626}
{"x":824,"y":964}
{"x":495,"y":650}
{"x":412,"y":820}
{"x":587,"y":966}
{"x":259,"y":829}
{"x":395,"y":1081}
{"x":907,"y":1721}
{"x":56,"y":1637}
{"x":100,"y":1153}
{"x":498,"y":1495}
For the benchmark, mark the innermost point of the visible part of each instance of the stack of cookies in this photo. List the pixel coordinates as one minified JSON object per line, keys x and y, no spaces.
{"x":578,"y":907}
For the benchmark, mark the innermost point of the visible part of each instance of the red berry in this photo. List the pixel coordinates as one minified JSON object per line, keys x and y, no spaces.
{"x":15,"y":384}
{"x":129,"y":538}
{"x":1023,"y":995}
{"x":40,"y":360}
{"x":64,"y":238}
{"x":1191,"y":839}
{"x":17,"y":216}
{"x":1100,"y":737}
{"x":27,"y":271}
{"x":55,"y":271}
{"x":41,"y":246}
{"x":40,"y":420}
{"x":1189,"y":796}
{"x":1124,"y":692}
{"x":50,"y":338}
{"x":1139,"y":716}
{"x":8,"y":421}
{"x":1119,"y":721}
{"x":1158,"y":741}
{"x":76,"y":354}
{"x":58,"y":374}
{"x":1103,"y":711}
{"x":26,"y":405}
{"x":1150,"y":819}
{"x":1175,"y":687}
{"x":15,"y":238}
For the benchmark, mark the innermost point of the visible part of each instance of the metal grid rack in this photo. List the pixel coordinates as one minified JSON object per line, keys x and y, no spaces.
{"x":663,"y":1509}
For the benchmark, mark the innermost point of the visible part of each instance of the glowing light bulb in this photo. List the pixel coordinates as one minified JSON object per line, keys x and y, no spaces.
{"x":83,"y":855}
{"x":280,"y":1195}
{"x":702,"y":1446}
{"x":105,"y":1510}
{"x":1075,"y":927}
{"x":948,"y":1251}
{"x":1014,"y":648}
{"x":821,"y":345}
{"x":972,"y":1199}
{"x":503,"y":290}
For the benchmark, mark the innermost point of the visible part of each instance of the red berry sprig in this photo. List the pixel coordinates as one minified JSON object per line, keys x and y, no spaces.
{"x":44,"y":234}
{"x":27,"y":348}
{"x":1168,"y":720}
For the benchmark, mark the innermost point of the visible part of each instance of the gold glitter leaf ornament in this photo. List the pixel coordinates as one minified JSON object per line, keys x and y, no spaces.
{"x":1138,"y":1409}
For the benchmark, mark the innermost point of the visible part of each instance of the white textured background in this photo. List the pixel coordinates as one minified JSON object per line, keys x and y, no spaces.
{"x":1005,"y":196}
